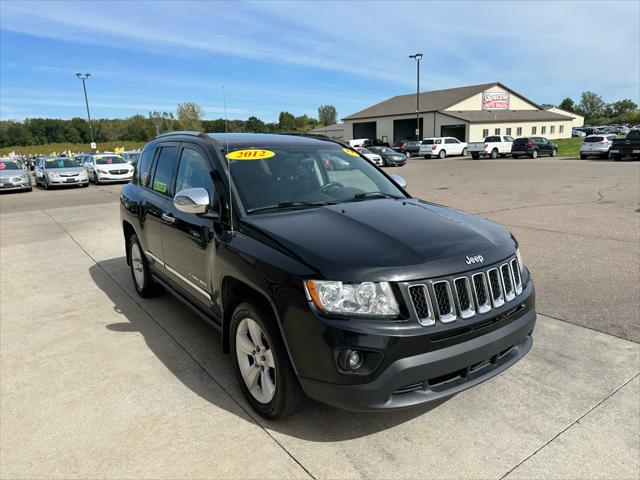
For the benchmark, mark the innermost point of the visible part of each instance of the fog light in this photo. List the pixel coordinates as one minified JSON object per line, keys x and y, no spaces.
{"x":354,"y":359}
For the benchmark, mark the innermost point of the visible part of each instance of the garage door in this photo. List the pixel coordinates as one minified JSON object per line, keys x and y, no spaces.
{"x":405,"y":129}
{"x":364,"y":130}
{"x":457,"y":131}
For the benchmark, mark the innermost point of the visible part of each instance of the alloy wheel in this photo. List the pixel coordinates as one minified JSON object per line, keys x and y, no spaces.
{"x":137,"y":266}
{"x":255,"y":359}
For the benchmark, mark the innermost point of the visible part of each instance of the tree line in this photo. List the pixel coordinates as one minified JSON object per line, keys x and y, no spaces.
{"x":598,"y":112}
{"x":188,"y":116}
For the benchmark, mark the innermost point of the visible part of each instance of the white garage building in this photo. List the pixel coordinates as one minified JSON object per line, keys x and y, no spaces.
{"x":467,"y":113}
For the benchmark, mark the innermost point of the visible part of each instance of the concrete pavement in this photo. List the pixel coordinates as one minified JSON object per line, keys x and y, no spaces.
{"x":98,"y":383}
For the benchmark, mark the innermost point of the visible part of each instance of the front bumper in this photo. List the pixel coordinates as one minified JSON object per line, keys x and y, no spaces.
{"x":434,"y":375}
{"x":13,"y":186}
{"x":66,"y":181}
{"x":108,"y":177}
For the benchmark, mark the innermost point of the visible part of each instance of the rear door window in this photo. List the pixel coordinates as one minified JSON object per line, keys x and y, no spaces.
{"x":164,"y":170}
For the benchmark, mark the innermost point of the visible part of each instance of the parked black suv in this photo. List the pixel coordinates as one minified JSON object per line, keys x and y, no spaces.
{"x":407,"y":147}
{"x":324,"y":276}
{"x":533,"y":147}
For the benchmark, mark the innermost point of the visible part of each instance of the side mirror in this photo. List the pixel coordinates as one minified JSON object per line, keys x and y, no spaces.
{"x":192,"y":200}
{"x":401,"y":182}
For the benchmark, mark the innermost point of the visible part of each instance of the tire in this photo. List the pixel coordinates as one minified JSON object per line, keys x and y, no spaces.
{"x":493,"y":154}
{"x":583,"y":156}
{"x":426,"y":157}
{"x":442,"y":154}
{"x":140,"y":272}
{"x":617,"y":158}
{"x":554,"y":153}
{"x":272,"y":388}
{"x":475,"y":156}
{"x":534,"y":154}
{"x":605,"y":156}
{"x":464,"y":152}
{"x":408,"y":154}
{"x":96,"y":179}
{"x":45,"y":183}
{"x":515,"y":156}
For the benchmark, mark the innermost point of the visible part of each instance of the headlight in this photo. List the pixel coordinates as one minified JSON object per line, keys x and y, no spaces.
{"x":101,"y":171}
{"x":367,"y":298}
{"x":82,"y":173}
{"x":53,"y":174}
{"x":520,"y":264}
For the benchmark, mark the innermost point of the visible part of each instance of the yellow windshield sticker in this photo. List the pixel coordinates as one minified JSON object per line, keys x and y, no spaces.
{"x":250,"y":154}
{"x":350,"y":152}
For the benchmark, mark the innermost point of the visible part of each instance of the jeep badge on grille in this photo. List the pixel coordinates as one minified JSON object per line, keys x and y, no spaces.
{"x":476,"y":259}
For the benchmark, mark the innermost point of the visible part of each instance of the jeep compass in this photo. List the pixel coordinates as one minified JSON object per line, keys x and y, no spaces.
{"x":324,"y":276}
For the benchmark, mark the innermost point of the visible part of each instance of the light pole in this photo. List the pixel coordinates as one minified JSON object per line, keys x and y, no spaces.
{"x":83,"y":77}
{"x":417,"y":57}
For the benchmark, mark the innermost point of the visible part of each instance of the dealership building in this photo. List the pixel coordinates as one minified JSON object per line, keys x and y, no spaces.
{"x":467,"y":113}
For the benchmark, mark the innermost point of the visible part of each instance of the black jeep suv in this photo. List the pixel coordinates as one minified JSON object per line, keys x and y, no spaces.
{"x":324,"y":276}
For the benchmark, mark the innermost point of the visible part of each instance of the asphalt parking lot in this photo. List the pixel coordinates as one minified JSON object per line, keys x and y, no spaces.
{"x":98,"y":383}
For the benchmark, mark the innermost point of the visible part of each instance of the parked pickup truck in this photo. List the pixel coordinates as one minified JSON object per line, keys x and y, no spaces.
{"x":491,"y":147}
{"x":626,"y":147}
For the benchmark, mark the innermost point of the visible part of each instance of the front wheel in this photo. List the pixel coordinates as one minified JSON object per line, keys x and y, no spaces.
{"x":261,"y":363}
{"x":494,"y":154}
{"x":140,"y":272}
{"x":554,"y":153}
{"x":408,"y":154}
{"x":583,"y":156}
{"x":534,"y":154}
{"x":464,"y":152}
{"x":442,"y":154}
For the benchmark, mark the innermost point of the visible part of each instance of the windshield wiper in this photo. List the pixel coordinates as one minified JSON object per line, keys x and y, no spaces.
{"x":287,"y":205}
{"x":363,"y":195}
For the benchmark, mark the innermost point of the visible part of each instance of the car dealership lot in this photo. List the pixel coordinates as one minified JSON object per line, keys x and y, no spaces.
{"x":97,"y":382}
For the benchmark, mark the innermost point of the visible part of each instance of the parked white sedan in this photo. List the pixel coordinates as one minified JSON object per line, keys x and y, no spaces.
{"x":441,"y":147}
{"x":373,"y":157}
{"x":108,"y":167}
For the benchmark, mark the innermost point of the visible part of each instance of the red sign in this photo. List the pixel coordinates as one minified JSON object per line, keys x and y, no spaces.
{"x":495,"y":101}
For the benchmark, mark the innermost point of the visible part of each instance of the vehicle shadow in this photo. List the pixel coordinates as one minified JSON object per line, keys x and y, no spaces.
{"x":168,"y":326}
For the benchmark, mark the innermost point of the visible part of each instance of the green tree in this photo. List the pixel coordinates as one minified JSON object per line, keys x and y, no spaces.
{"x":255,"y":125}
{"x":286,"y":122}
{"x":568,"y":105}
{"x":623,"y":106}
{"x":591,"y":105}
{"x":190,"y":116}
{"x":327,"y":115}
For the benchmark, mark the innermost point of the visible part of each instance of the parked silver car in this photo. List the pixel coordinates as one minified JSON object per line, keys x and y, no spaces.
{"x":108,"y":167}
{"x":596,"y":145}
{"x":60,"y":171}
{"x":13,"y":175}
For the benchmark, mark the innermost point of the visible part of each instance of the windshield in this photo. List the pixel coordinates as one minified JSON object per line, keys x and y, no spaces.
{"x":60,"y":163}
{"x":386,"y":150}
{"x":134,"y":156}
{"x":306,"y":176}
{"x":9,"y":165}
{"x":109,"y":159}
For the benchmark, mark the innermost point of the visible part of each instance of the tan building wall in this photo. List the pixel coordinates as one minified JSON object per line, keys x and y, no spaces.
{"x":577,"y":121}
{"x":476,"y":130}
{"x":475,"y":102}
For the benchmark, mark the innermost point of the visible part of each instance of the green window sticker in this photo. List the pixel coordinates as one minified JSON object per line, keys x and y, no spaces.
{"x":160,"y":186}
{"x":60,"y":163}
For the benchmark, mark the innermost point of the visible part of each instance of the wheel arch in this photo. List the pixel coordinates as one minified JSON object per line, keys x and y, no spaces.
{"x":127,"y":230}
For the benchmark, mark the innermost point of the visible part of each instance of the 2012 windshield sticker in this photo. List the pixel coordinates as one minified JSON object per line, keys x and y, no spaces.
{"x":250,"y":154}
{"x":350,"y":152}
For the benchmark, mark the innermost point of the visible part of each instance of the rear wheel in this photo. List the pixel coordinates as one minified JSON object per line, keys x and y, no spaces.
{"x":534,"y":154}
{"x":261,"y":363}
{"x":475,"y":156}
{"x":554,"y":153}
{"x":494,"y":154}
{"x":464,"y":152}
{"x":515,"y":156}
{"x":583,"y":156}
{"x":442,"y":154}
{"x":408,"y":154}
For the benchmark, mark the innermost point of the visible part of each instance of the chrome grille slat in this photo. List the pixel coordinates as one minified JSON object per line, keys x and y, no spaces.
{"x":444,"y":301}
{"x":475,"y":293}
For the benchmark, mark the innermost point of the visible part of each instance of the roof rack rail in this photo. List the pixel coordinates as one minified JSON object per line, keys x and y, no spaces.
{"x":181,"y":132}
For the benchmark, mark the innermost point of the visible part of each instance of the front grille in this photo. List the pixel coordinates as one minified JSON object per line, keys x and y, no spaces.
{"x":465,"y":296}
{"x":69,"y":174}
{"x":119,"y":172}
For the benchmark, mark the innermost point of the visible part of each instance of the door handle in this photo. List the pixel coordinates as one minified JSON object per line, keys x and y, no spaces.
{"x":168,"y":218}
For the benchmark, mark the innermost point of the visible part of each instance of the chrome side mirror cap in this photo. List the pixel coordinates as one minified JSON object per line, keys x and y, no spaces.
{"x":401,"y":182}
{"x":192,"y":200}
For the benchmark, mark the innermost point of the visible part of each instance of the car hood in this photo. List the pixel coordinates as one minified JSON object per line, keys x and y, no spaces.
{"x":65,"y":170}
{"x":386,"y":239}
{"x":12,"y":173}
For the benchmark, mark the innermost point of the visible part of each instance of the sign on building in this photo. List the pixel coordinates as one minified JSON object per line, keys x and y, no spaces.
{"x":495,"y":101}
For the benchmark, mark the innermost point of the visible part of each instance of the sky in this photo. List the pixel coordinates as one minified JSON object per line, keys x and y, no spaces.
{"x":295,"y":55}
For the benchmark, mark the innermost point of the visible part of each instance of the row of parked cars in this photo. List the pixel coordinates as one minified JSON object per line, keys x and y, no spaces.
{"x":602,"y":130}
{"x":66,"y":170}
